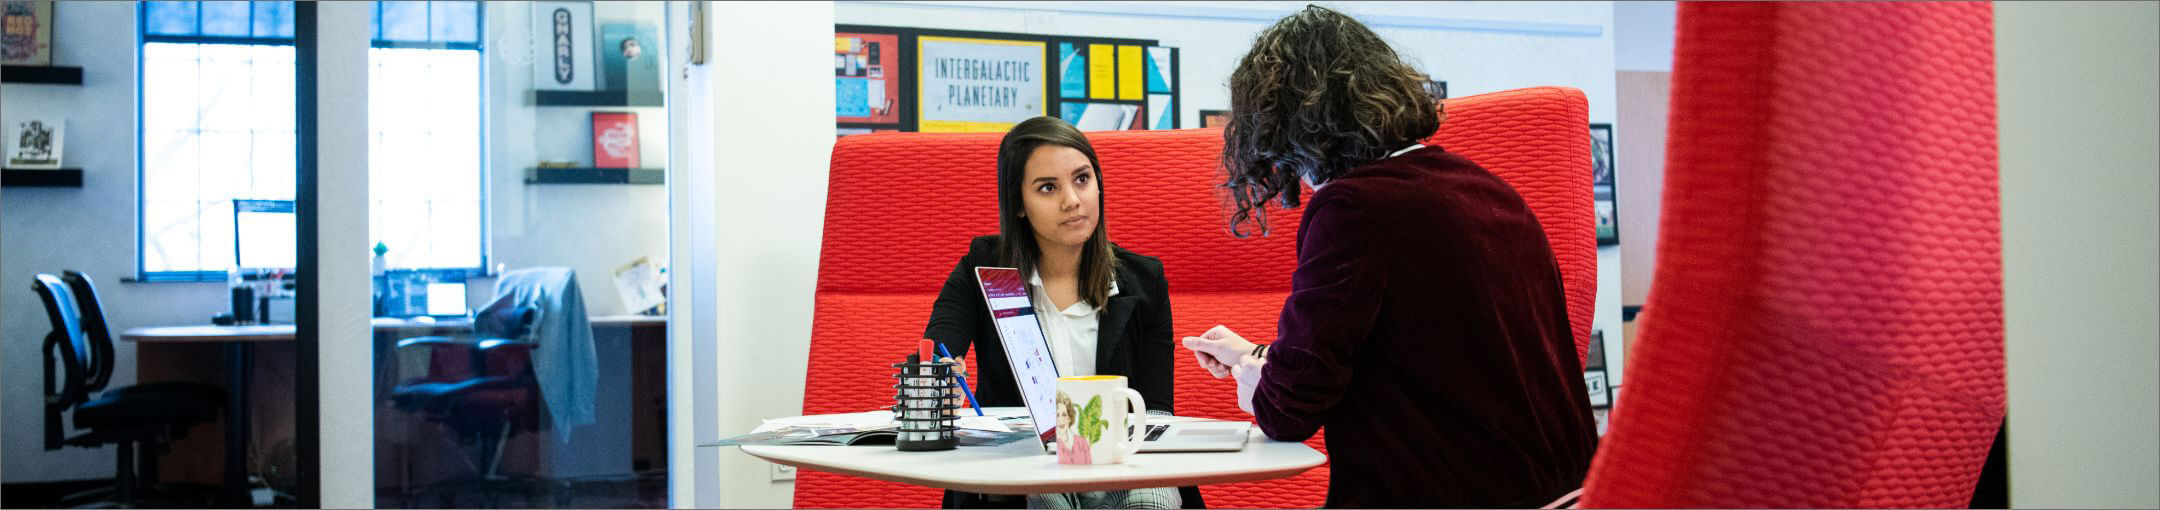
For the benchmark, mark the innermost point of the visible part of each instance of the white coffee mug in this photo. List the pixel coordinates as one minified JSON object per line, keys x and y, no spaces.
{"x":1099,"y":419}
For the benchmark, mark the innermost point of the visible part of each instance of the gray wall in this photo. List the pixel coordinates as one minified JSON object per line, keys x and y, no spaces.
{"x":2081,"y":239}
{"x":91,"y":229}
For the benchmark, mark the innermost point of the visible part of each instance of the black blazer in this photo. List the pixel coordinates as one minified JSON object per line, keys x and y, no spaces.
{"x":1132,"y":339}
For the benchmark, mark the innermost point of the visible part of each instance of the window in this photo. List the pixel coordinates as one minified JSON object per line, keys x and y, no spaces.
{"x":425,"y":164}
{"x":217,"y":124}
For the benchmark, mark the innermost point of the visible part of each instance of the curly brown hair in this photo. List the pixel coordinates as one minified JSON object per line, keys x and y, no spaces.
{"x":1318,"y":95}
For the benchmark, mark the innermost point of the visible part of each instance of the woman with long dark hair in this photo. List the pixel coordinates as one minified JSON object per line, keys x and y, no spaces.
{"x":1426,"y":327}
{"x":1105,"y":310}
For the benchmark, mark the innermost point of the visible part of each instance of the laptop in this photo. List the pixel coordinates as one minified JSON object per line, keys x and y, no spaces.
{"x":1028,"y":351}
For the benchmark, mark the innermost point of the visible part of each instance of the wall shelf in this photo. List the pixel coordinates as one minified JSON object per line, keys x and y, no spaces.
{"x":604,"y":98}
{"x":22,"y":177}
{"x":595,"y":176}
{"x":63,"y":75}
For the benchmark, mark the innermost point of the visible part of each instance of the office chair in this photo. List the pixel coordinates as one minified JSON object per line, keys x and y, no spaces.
{"x":481,"y":388}
{"x":146,"y":416}
{"x":1825,"y":328}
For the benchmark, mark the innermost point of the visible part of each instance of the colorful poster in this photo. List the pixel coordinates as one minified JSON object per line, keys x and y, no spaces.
{"x":1161,"y":113}
{"x":1072,"y":72}
{"x":979,"y":84}
{"x":1102,"y":116}
{"x":1160,"y":61}
{"x":1131,"y":85}
{"x":26,"y":36}
{"x":630,"y":57}
{"x":1102,"y":71}
{"x":866,"y":87}
{"x":615,"y":140}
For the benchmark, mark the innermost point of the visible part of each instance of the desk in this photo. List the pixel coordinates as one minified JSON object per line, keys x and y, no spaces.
{"x":1022,"y":467}
{"x":239,"y":344}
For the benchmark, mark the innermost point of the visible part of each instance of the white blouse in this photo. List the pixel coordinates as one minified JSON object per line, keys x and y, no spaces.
{"x":1071,"y":331}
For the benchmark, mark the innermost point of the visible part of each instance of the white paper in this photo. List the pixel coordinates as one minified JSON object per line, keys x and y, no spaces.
{"x":864,"y":420}
{"x":877,"y":97}
{"x":989,"y":423}
{"x":639,"y":284}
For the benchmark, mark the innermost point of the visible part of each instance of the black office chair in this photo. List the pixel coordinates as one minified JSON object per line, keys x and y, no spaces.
{"x":149,"y":416}
{"x":483,"y":390}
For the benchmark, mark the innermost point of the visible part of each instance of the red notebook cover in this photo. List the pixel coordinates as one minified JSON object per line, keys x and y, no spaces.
{"x":615,"y":140}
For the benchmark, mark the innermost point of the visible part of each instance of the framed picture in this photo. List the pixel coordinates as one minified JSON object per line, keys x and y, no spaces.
{"x":34,"y":143}
{"x":562,"y":45}
{"x":26,"y":35}
{"x":630,"y":55}
{"x":615,"y":140}
{"x":1214,"y":118}
{"x":1601,"y":184}
{"x":1594,"y":372}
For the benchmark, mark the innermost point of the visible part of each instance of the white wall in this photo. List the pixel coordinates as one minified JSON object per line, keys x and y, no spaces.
{"x":345,"y":353}
{"x":2080,"y":200}
{"x":1643,"y":35}
{"x":90,"y":229}
{"x":762,"y":146}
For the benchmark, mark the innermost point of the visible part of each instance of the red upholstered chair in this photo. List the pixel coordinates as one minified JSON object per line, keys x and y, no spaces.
{"x":1825,"y":329}
{"x":901,"y":207}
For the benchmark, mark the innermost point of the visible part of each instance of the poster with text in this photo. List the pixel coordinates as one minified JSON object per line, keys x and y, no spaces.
{"x":978,"y":84}
{"x":866,"y":78}
{"x":562,"y":45}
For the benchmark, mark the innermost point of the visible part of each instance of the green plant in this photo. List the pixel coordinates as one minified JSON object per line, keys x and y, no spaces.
{"x":1090,"y":420}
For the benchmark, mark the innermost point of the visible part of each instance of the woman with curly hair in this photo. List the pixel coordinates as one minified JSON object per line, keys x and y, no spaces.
{"x":1426,"y":327}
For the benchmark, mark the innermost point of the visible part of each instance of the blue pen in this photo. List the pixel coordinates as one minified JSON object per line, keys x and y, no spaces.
{"x":963,"y":381}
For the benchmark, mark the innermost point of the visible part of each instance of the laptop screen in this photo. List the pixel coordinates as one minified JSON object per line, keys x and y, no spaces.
{"x":1025,"y":346}
{"x":264,"y":235}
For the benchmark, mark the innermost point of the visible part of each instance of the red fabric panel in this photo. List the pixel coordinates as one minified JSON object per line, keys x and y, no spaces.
{"x":1538,"y":140}
{"x":900,"y":208}
{"x":1826,"y":325}
{"x":857,"y":339}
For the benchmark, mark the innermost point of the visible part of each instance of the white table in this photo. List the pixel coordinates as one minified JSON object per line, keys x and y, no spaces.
{"x":1022,"y":467}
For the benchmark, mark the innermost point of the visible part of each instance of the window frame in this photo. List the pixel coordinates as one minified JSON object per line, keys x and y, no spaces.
{"x":144,"y":37}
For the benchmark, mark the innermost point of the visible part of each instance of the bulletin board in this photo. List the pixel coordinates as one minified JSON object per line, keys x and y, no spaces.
{"x":871,"y":86}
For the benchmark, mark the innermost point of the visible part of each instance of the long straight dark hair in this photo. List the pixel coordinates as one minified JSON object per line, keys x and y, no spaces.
{"x":1016,"y":237}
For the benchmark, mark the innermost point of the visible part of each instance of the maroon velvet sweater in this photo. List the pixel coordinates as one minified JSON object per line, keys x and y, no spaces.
{"x":1426,"y":329}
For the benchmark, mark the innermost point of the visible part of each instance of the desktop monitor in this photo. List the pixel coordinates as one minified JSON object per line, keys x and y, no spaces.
{"x":264,"y":234}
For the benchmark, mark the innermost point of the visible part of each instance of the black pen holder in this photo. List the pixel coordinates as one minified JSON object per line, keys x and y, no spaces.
{"x":925,"y":410}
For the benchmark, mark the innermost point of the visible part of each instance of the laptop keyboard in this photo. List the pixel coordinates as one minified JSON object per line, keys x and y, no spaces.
{"x":1155,"y":432}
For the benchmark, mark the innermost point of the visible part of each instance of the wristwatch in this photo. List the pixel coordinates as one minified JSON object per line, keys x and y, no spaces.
{"x":1260,"y":351}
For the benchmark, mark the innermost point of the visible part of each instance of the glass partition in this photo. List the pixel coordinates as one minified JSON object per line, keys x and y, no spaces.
{"x":519,"y":214}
